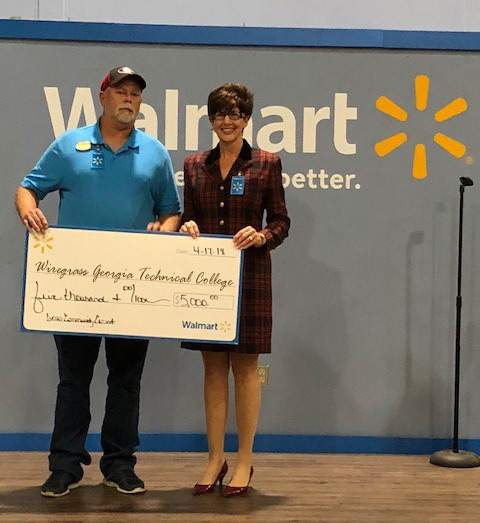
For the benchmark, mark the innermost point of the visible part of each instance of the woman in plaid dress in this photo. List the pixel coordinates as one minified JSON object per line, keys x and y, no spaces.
{"x":227,"y":191}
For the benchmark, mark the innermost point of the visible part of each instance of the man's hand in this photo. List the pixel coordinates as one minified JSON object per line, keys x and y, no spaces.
{"x":30,"y":215}
{"x":165,"y":223}
{"x":35,"y":221}
{"x":154,"y":226}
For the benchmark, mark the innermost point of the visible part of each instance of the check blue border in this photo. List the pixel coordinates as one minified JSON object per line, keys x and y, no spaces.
{"x":282,"y":443}
{"x":237,"y":36}
{"x":22,"y":327}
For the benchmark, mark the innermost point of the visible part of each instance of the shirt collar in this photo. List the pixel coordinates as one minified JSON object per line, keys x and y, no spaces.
{"x":97,"y":138}
{"x":245,"y":153}
{"x":133,"y":141}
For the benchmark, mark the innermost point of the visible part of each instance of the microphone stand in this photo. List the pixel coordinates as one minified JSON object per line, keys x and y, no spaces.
{"x":455,"y":458}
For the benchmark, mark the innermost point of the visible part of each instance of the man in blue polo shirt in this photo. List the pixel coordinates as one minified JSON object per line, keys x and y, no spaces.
{"x":111,"y":176}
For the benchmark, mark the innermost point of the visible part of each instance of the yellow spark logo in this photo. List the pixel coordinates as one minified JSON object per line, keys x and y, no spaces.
{"x":225,"y":326}
{"x":43,"y":242}
{"x":454,"y":108}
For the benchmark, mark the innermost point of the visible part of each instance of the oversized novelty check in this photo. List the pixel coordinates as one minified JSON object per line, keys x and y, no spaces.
{"x":138,"y":284}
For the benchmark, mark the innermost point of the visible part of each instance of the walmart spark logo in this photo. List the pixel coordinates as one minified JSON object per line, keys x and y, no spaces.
{"x":453,"y":147}
{"x":225,"y":326}
{"x":42,"y":242}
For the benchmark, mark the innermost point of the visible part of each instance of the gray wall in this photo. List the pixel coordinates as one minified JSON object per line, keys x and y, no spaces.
{"x":364,"y":287}
{"x":434,"y":15}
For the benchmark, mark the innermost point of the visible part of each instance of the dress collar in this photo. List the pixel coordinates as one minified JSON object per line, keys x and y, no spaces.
{"x":245,"y":153}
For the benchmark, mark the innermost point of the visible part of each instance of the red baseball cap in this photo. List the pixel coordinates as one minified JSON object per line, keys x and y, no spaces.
{"x":118,"y":74}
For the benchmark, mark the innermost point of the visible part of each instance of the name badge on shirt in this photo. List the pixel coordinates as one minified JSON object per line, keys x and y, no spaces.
{"x":237,"y":187}
{"x":83,"y":146}
{"x":97,"y":160}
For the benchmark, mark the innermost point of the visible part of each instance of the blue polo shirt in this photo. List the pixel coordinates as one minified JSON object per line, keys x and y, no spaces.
{"x":103,"y":189}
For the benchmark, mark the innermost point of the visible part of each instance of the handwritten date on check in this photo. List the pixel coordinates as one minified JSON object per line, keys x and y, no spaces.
{"x":140,"y":284}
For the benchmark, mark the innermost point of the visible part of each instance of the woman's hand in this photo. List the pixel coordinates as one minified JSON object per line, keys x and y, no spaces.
{"x":190,"y":228}
{"x":248,"y":237}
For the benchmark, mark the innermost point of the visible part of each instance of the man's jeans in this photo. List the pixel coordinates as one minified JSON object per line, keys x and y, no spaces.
{"x":77,"y":356}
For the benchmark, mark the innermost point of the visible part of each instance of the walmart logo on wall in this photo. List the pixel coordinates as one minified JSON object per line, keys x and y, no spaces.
{"x":449,"y":144}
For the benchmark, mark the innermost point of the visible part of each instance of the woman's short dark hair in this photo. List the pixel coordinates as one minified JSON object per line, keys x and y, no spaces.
{"x":228,"y":97}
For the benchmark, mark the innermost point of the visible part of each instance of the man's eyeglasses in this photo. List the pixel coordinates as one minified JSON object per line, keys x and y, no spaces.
{"x":219,"y":117}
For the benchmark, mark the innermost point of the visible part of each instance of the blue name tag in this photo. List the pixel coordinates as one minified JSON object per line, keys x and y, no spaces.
{"x":97,"y":160}
{"x":237,"y":187}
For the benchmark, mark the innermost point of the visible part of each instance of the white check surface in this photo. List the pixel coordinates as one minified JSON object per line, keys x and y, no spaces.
{"x":132,"y":284}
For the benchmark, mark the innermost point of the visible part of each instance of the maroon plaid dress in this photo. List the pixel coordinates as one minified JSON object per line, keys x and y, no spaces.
{"x":207,"y":201}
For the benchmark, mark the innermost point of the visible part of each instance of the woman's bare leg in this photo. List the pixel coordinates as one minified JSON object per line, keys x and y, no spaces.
{"x":216,"y":365}
{"x":247,"y":408}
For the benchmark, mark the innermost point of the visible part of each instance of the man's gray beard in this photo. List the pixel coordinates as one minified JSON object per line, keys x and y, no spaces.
{"x":125,"y":116}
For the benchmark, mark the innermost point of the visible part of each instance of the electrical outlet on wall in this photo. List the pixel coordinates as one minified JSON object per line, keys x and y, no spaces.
{"x":263,"y":375}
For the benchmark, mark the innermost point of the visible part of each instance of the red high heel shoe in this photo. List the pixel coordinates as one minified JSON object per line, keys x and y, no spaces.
{"x":230,"y":492}
{"x":198,"y":489}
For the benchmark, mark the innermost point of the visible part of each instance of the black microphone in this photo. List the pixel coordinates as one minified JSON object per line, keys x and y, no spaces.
{"x":466,"y":182}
